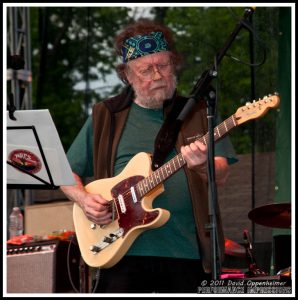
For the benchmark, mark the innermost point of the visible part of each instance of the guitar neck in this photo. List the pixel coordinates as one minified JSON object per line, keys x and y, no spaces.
{"x":176,"y":163}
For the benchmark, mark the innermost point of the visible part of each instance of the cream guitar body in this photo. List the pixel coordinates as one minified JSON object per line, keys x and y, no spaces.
{"x":138,"y":216}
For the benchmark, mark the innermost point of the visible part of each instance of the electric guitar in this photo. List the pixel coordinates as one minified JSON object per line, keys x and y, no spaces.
{"x":133,"y":191}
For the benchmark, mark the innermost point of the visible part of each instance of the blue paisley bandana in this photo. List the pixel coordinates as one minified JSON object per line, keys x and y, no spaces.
{"x":142,"y":45}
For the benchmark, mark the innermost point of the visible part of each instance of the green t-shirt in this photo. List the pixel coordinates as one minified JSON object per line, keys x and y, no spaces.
{"x":177,"y":238}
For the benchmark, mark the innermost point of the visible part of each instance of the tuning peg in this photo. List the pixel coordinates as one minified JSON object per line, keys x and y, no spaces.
{"x":276,"y":93}
{"x":270,"y":95}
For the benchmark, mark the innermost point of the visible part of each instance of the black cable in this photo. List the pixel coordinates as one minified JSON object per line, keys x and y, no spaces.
{"x":68,"y":265}
{"x":97,"y":277}
{"x":246,"y":24}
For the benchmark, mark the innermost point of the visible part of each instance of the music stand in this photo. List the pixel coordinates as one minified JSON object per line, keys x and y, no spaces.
{"x":35,"y":156}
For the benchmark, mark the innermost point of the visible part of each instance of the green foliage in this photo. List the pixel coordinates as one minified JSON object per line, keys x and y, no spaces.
{"x":73,"y":47}
{"x":201,"y":33}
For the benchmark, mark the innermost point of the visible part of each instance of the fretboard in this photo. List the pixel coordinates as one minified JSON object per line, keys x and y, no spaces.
{"x":176,"y":163}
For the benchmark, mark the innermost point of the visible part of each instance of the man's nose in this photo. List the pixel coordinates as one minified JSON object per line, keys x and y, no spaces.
{"x":156,"y":73}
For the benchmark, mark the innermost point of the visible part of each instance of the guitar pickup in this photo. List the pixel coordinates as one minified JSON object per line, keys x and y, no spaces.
{"x":106,"y":241}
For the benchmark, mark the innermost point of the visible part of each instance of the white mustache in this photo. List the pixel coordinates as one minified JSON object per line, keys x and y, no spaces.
{"x":162,"y":83}
{"x":159,"y":85}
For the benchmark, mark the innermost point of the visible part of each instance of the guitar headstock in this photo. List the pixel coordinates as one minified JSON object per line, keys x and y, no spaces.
{"x":256,"y":109}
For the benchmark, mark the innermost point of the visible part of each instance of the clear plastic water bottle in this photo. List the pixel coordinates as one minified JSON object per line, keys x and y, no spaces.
{"x":15,"y":222}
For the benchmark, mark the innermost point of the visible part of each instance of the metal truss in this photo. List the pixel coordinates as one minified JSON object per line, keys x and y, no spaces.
{"x":19,"y":73}
{"x":19,"y":77}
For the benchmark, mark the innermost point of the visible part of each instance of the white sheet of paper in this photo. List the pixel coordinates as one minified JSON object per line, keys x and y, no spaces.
{"x":25,"y":140}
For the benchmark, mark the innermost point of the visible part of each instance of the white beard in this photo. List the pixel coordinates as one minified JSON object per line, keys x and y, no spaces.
{"x":156,"y":100}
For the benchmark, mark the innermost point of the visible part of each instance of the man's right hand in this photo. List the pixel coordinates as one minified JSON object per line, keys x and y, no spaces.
{"x":95,"y":207}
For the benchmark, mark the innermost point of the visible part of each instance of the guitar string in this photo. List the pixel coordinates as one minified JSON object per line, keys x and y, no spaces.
{"x":222,"y":128}
{"x":127,"y":194}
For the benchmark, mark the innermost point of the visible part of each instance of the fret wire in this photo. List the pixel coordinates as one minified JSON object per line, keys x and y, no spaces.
{"x":162,"y":173}
{"x":226,"y":127}
{"x":142,"y":187}
{"x":154,"y":179}
{"x":235,"y":124}
{"x":230,"y":123}
{"x":222,"y":129}
{"x":145,"y":185}
{"x":172,"y":166}
{"x":215,"y":136}
{"x":151,"y":181}
{"x":157,"y":177}
{"x":218,"y":131}
{"x":167,"y":169}
{"x":181,"y":158}
{"x":148,"y":184}
{"x":174,"y":161}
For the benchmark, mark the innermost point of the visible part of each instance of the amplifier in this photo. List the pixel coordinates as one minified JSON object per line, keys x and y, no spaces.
{"x":43,"y":267}
{"x":39,"y":218}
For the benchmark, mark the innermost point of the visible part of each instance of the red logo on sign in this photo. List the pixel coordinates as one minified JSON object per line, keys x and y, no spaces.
{"x":25,"y":160}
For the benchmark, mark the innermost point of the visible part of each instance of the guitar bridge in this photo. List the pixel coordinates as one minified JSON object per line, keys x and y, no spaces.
{"x":106,"y":241}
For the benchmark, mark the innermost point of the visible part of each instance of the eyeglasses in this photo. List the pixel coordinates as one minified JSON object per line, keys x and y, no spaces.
{"x":148,"y":73}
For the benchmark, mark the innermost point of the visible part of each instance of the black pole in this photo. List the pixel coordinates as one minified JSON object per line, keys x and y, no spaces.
{"x":253,"y":95}
{"x":87,"y":79}
{"x":200,"y":91}
{"x":202,"y":84}
{"x":212,"y":190}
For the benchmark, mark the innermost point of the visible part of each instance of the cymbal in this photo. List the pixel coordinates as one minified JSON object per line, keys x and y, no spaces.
{"x":273,"y":215}
{"x":287,"y":272}
{"x":234,"y":249}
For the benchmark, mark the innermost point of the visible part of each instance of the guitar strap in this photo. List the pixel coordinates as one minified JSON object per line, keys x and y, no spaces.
{"x":167,"y":135}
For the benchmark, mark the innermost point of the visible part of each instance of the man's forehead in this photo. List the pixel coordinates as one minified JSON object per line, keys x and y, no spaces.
{"x":150,"y":58}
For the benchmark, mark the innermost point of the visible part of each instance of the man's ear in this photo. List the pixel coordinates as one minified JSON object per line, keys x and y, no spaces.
{"x":128,"y":75}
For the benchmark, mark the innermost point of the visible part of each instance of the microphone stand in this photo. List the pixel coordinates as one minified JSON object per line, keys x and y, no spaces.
{"x":253,"y":268}
{"x":198,"y":93}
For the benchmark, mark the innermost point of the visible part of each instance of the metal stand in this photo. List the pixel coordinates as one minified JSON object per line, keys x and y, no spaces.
{"x":202,"y":90}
